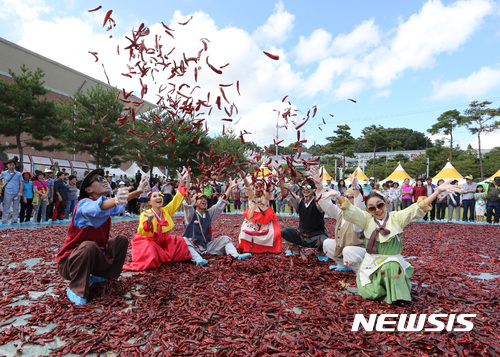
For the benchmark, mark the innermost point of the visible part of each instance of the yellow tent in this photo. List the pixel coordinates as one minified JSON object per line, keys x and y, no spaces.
{"x":399,"y":174}
{"x":326,"y":175}
{"x":361,"y":176}
{"x":495,"y":174}
{"x":263,"y":171}
{"x":447,"y":173}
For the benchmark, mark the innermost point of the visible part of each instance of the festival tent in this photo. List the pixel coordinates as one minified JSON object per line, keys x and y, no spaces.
{"x":361,"y":176}
{"x":326,"y":176}
{"x":399,"y":175}
{"x":448,"y":173}
{"x":116,"y":172}
{"x":495,"y":175}
{"x":263,"y":171}
{"x":132,"y":170}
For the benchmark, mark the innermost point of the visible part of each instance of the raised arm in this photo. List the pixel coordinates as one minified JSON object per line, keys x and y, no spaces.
{"x":444,"y":187}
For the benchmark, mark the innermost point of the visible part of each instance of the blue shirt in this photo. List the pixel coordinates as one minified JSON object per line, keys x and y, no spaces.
{"x":467,"y":187}
{"x":50,"y":184}
{"x":90,"y":214}
{"x":366,"y":189}
{"x":60,"y":186}
{"x":12,"y":188}
{"x":28,"y":189}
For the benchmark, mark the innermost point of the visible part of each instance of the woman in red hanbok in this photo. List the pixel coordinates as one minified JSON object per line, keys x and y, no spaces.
{"x":153,"y":245}
{"x":260,"y":231}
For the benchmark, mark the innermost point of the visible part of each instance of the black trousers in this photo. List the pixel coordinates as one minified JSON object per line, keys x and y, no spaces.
{"x":432,"y":212}
{"x":26,"y":209}
{"x":441,"y":209}
{"x":295,"y":240}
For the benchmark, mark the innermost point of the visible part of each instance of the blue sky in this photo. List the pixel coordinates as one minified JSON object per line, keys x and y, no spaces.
{"x":404,"y":62}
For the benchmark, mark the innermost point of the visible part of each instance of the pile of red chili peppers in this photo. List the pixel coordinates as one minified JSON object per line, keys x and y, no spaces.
{"x":266,"y":305}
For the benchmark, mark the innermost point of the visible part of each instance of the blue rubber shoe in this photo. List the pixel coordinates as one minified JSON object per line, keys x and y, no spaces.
{"x":96,"y":279}
{"x":75,"y":298}
{"x":289,"y":253}
{"x":322,"y":258}
{"x":343,"y":269}
{"x":244,"y":256}
{"x":201,"y":262}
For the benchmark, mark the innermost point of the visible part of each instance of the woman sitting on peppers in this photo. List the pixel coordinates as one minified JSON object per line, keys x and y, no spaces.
{"x":153,"y":245}
{"x":384,"y":273}
{"x":260,"y":231}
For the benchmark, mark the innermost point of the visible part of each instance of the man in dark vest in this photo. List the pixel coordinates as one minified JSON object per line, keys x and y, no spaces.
{"x":311,"y":232}
{"x":89,"y":256}
{"x":198,"y":227}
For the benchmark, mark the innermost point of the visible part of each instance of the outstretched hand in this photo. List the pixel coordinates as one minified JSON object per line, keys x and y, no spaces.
{"x":449,"y":187}
{"x":184,"y":176}
{"x":315,"y":175}
{"x":233,"y":184}
{"x":121,"y":197}
{"x":330,"y":192}
{"x":143,"y":184}
{"x":149,"y":217}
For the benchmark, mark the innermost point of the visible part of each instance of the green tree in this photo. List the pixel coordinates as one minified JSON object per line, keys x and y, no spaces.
{"x":342,"y":143}
{"x":376,"y":138}
{"x":228,"y":145}
{"x":27,"y":115}
{"x":467,"y":162}
{"x":406,"y":139}
{"x":492,"y":161}
{"x":167,"y":142}
{"x":95,"y":128}
{"x":446,"y":124}
{"x":480,"y":119}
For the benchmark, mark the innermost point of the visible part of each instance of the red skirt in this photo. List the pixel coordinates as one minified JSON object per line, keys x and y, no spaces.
{"x":150,"y":252}
{"x":263,"y":218}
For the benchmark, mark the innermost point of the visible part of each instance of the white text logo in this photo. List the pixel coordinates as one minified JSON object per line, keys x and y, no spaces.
{"x":413,"y":322}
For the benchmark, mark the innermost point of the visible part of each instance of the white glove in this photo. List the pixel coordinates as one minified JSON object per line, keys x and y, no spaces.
{"x":121,"y":197}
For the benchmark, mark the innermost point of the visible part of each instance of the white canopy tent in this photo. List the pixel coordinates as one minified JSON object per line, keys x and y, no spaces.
{"x":132,"y":170}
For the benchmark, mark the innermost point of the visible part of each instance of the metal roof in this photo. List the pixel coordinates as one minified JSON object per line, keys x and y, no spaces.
{"x":58,"y":77}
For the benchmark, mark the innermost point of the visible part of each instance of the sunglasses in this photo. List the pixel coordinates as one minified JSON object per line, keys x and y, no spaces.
{"x":98,"y":179}
{"x":380,"y":205}
{"x":309,"y":187}
{"x":349,"y":196}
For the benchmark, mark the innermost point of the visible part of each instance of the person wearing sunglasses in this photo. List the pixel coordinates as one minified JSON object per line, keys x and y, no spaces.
{"x":347,"y":249}
{"x":89,"y":255}
{"x":311,"y":232}
{"x":260,"y":231}
{"x":384,"y":273}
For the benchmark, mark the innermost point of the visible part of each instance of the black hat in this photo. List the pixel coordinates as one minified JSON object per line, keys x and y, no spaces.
{"x":87,"y":181}
{"x":497,"y":179}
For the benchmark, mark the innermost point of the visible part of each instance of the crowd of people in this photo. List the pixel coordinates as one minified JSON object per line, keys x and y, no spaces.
{"x":367,"y":237}
{"x":90,"y":256}
{"x":472,"y":203}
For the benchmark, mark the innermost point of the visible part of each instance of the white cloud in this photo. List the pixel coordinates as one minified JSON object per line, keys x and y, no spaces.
{"x":24,"y":9}
{"x":473,"y":86}
{"x":338,"y":67}
{"x":322,"y":79}
{"x":488,"y":141}
{"x":277,"y":27}
{"x":315,"y":48}
{"x":435,"y":30}
{"x":363,"y":37}
{"x":382,"y":94}
{"x":349,"y":89}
